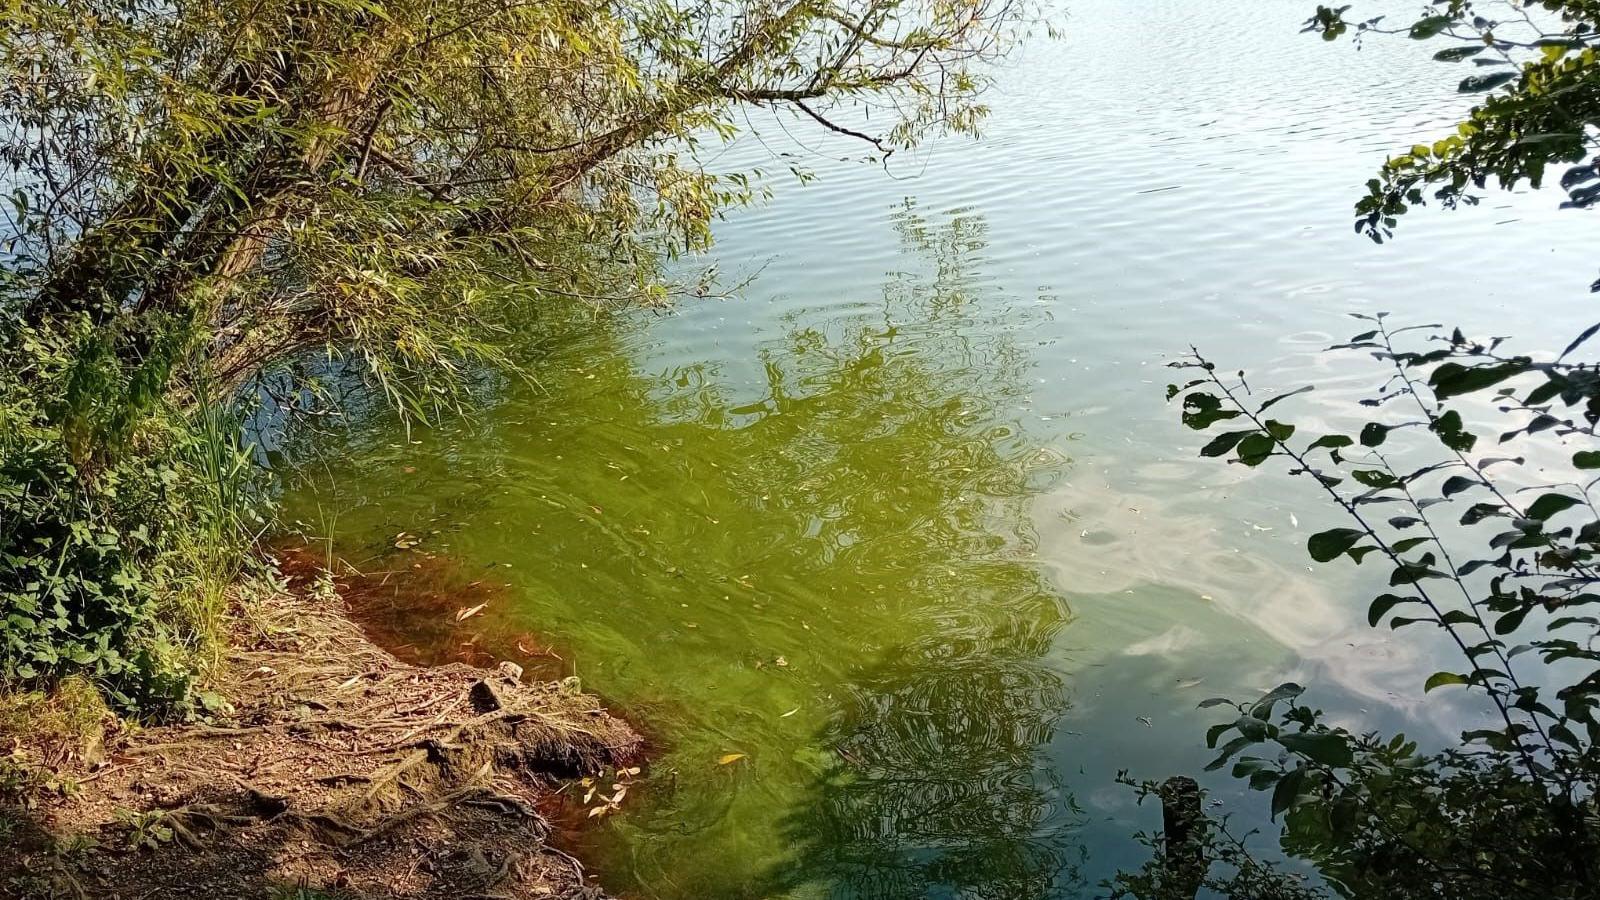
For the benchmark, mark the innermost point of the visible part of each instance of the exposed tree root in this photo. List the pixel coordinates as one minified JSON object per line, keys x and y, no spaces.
{"x":341,"y":768}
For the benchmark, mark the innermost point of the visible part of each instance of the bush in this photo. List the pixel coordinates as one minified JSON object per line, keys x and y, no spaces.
{"x":110,"y":561}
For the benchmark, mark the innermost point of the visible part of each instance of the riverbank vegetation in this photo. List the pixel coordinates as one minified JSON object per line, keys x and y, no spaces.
{"x":225,"y":218}
{"x":218,"y":210}
{"x":1470,"y":487}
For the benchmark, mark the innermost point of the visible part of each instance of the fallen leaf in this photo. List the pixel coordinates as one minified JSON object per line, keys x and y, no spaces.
{"x":730,"y":758}
{"x":790,"y":713}
{"x":467,"y":613}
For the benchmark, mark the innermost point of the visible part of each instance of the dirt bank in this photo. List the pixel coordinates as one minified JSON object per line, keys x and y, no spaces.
{"x":334,"y":770}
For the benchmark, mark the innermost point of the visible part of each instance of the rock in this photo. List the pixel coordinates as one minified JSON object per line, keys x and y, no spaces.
{"x":487,"y":698}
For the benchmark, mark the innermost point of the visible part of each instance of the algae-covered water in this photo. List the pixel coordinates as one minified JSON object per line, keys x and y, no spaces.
{"x":899,"y":556}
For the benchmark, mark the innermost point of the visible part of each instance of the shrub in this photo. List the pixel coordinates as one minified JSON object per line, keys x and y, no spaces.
{"x":110,"y":560}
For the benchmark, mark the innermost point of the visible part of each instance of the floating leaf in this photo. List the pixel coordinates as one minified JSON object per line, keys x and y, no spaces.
{"x":729,"y":758}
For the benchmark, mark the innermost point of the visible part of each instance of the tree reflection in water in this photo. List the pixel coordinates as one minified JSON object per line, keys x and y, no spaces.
{"x":821,"y":564}
{"x":932,"y":781}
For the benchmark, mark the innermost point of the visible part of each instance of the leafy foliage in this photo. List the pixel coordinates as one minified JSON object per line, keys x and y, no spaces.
{"x":1500,"y":561}
{"x":99,"y":556}
{"x":1538,"y":65}
{"x":215,"y":201}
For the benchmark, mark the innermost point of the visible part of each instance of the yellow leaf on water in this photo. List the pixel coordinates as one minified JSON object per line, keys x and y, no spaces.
{"x":730,"y":758}
{"x":790,"y":713}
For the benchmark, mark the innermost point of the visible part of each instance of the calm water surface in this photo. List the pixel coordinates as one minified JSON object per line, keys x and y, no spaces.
{"x":909,"y":524}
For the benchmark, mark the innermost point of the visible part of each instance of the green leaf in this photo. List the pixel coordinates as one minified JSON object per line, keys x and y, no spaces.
{"x":1286,"y":691}
{"x":1429,"y":26}
{"x":1227,"y":752}
{"x":1281,"y":397}
{"x":1373,"y":434}
{"x":1511,"y":620}
{"x":1255,"y":449}
{"x":1215,"y":733}
{"x":1453,"y":379}
{"x":1457,"y":54}
{"x":1455,"y":484}
{"x":1440,"y":679}
{"x":1201,"y":410}
{"x":1374,"y":478}
{"x":1331,"y":441}
{"x":1474,"y":84}
{"x":1222,"y":443}
{"x":1586,"y":459}
{"x":1550,"y":504}
{"x":1382,"y":604}
{"x":1448,"y":428}
{"x":1326,"y":546}
{"x":1287,"y":791}
{"x":1326,"y":747}
{"x":1411,"y":573}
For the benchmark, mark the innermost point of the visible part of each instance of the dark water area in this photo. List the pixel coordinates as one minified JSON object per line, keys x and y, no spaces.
{"x":901,"y":555}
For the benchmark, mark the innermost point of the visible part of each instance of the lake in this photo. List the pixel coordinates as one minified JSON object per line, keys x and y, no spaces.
{"x":899,"y":555}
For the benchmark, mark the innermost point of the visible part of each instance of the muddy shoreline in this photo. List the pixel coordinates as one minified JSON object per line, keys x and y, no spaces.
{"x":332,"y":768}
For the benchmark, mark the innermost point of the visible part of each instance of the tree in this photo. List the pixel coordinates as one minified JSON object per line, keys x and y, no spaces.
{"x":211,"y":200}
{"x":392,"y":179}
{"x":1538,"y":65}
